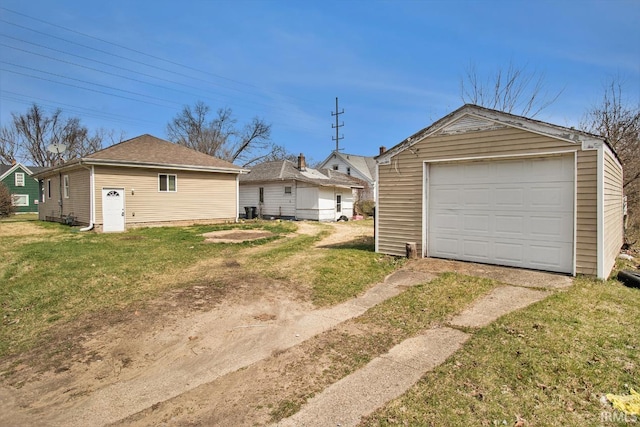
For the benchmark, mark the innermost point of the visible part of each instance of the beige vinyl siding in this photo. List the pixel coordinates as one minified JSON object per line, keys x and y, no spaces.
{"x":587,"y":213}
{"x":77,"y":204}
{"x":612,"y":206}
{"x":199,"y":195}
{"x":400,"y":187}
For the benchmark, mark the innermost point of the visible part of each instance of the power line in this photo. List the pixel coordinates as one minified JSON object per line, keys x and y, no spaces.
{"x":81,"y":87}
{"x":137,"y":52}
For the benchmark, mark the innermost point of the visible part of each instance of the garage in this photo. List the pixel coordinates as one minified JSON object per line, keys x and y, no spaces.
{"x":516,"y":213}
{"x":486,"y":186}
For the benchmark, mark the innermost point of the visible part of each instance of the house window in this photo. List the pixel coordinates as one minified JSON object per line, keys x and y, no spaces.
{"x":48,"y":189}
{"x":287,"y":190}
{"x":41,"y":187}
{"x":65,"y":180}
{"x":261,"y":194}
{"x":20,"y":199}
{"x":339,"y":203}
{"x":19,"y":179}
{"x":348,"y":171}
{"x":335,"y":167}
{"x":167,"y":183}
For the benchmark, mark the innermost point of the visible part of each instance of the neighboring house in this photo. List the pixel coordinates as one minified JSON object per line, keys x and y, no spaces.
{"x":24,"y":189}
{"x":282,"y":189}
{"x":140,"y":181}
{"x":485,"y":186}
{"x":361,"y":167}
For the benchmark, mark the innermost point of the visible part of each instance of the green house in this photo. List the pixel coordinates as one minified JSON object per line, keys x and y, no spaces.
{"x":24,"y":189}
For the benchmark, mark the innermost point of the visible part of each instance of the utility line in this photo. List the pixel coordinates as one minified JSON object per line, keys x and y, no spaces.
{"x":91,"y":83}
{"x":84,"y":88}
{"x":149,"y":55}
{"x":249,"y":103}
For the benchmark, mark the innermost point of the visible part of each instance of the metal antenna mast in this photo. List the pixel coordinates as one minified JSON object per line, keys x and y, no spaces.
{"x":337,"y":126}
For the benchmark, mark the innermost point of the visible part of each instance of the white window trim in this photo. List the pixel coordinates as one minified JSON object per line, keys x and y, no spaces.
{"x":13,"y":199}
{"x":65,"y":185}
{"x":48,"y":189}
{"x":19,"y":182}
{"x":167,"y":178}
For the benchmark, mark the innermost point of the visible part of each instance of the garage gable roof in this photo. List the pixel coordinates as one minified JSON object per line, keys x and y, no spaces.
{"x":473,"y":117}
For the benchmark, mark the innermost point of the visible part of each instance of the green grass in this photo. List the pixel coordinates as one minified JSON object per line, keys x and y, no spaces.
{"x":549,"y":364}
{"x":54,"y":277}
{"x":346,"y":270}
{"x":344,"y":349}
{"x":52,"y":274}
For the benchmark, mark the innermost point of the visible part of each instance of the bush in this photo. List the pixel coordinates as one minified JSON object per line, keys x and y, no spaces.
{"x":6,"y":207}
{"x":365,"y":207}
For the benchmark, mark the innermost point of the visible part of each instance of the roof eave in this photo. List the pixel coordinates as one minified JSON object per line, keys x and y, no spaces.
{"x":146,"y":165}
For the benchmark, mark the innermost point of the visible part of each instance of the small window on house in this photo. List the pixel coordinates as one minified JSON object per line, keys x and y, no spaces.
{"x":287,"y":190}
{"x":20,"y":199}
{"x":335,"y":167}
{"x":41,"y":188}
{"x":339,"y":203}
{"x":261,"y":194}
{"x":167,"y":183}
{"x":348,"y":171}
{"x":19,"y":179}
{"x":65,"y":186}
{"x":48,"y":189}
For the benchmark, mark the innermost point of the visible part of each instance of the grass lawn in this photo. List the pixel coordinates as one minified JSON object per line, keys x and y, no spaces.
{"x":52,"y":274}
{"x":548,"y":364}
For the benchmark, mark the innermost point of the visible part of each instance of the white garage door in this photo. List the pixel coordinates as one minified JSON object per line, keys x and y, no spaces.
{"x":516,"y":212}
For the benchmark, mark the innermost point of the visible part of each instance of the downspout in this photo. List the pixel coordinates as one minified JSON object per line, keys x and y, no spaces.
{"x":237,"y":198}
{"x":92,"y":200}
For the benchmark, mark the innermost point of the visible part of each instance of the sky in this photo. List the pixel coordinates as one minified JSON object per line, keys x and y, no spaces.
{"x":395,"y":66}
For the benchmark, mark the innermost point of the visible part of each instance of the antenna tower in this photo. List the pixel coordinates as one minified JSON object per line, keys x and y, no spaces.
{"x":337,"y":126}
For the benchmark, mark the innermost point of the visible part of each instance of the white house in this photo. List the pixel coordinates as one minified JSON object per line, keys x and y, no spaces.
{"x":361,"y":167}
{"x":282,"y":189}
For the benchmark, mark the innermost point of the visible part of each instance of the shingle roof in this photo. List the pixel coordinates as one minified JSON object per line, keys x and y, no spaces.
{"x":284,"y":170}
{"x":363,"y":164}
{"x":150,"y":151}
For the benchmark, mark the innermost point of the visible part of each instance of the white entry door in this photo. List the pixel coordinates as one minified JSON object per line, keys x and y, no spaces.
{"x":112,"y":209}
{"x":511,"y":212}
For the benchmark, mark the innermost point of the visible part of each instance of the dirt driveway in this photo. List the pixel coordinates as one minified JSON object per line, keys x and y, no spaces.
{"x":170,"y":364}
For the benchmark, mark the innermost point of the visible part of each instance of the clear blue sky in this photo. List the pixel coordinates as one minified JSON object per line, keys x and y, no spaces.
{"x":395,"y":65}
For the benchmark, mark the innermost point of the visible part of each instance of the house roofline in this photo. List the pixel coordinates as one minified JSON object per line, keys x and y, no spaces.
{"x":146,"y":165}
{"x":13,"y":168}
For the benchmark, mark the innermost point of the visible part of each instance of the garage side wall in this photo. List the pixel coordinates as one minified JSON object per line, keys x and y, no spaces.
{"x":400,"y":186}
{"x":612,"y":206}
{"x":199,"y":195}
{"x":587,"y":213}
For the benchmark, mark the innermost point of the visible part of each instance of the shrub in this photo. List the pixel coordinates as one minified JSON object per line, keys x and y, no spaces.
{"x":6,"y":205}
{"x":365,"y":207}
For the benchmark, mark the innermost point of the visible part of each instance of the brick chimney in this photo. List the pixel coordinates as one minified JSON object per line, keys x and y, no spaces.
{"x":13,"y":162}
{"x":302,"y":164}
{"x":382,"y":149}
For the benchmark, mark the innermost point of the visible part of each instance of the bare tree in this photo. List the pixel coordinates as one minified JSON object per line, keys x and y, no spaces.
{"x":8,"y":144}
{"x":513,"y":90}
{"x":220,"y":136}
{"x":619,"y":122}
{"x":30,"y":134}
